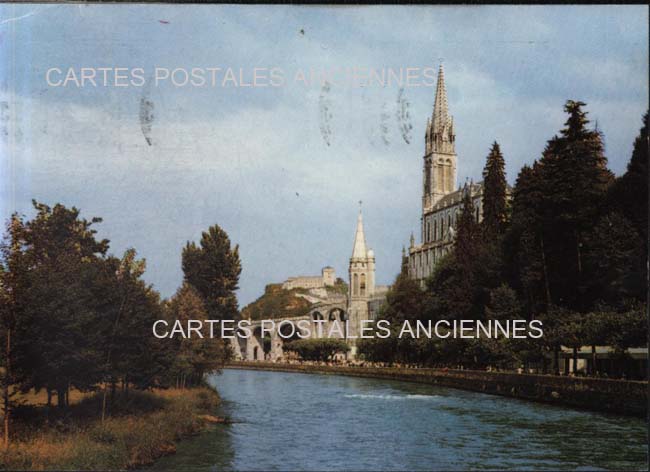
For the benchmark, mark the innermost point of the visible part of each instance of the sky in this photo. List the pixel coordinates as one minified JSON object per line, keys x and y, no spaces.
{"x":282,"y":168}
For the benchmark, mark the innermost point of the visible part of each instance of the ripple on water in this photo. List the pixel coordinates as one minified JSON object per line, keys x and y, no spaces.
{"x":312,"y":422}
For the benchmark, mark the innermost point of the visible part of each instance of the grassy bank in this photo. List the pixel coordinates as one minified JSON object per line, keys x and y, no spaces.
{"x":142,"y":427}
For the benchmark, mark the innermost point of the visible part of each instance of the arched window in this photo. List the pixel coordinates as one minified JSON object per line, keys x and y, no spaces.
{"x":355,"y":285}
{"x":435,"y":229}
{"x":362,"y":285}
{"x":426,"y":233}
{"x":477,"y":214}
{"x":448,"y":221}
{"x":441,"y":179}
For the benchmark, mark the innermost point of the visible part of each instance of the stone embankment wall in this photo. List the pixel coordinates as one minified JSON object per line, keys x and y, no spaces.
{"x":614,"y":396}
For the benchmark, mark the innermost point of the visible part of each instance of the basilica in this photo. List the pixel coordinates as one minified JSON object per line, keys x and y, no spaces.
{"x":441,"y":198}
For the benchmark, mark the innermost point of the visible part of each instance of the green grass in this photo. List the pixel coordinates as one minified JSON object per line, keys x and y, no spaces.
{"x":143,"y":426}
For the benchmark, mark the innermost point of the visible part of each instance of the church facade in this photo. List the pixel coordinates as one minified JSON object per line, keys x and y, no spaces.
{"x":441,"y":198}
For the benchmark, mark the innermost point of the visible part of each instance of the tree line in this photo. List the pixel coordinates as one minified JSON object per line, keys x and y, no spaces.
{"x":75,"y":316}
{"x":567,"y":245}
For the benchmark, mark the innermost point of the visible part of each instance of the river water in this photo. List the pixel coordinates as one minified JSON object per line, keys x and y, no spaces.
{"x":293,"y":421}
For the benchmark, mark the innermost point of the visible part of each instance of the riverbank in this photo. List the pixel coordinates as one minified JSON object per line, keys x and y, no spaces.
{"x":622,"y":397}
{"x":143,"y":426}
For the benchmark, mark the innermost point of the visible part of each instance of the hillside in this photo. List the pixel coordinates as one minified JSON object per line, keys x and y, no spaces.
{"x":277,"y":302}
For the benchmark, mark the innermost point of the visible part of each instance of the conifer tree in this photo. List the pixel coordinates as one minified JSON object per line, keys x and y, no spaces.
{"x":524,"y":242}
{"x":575,"y":179}
{"x":494,"y":193}
{"x":467,"y":239}
{"x":630,"y":192}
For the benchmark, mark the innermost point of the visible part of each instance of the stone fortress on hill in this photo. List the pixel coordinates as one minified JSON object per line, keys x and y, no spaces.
{"x":362,"y":299}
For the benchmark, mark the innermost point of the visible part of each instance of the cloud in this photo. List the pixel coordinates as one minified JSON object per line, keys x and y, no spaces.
{"x":257,"y":162}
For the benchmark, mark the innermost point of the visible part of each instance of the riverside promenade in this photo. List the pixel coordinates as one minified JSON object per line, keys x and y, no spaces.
{"x":624,"y":397}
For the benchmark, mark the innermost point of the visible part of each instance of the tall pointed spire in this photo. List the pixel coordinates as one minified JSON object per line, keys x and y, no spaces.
{"x":359,"y":250}
{"x":440,"y":109}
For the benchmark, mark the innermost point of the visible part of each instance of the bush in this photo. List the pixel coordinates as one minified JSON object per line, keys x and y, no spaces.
{"x":322,"y":349}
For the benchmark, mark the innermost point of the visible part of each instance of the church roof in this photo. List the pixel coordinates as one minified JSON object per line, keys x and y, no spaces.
{"x":359,"y":251}
{"x":456,"y":197}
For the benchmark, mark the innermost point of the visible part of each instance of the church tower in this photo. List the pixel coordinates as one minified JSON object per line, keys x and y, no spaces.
{"x":439,"y":174}
{"x":362,"y":266}
{"x":362,"y":281}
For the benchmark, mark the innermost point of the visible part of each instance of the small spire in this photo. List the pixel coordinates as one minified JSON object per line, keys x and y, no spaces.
{"x":359,"y":250}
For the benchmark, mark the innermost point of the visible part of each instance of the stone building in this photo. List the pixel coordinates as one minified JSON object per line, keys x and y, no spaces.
{"x":441,"y":198}
{"x":326,"y":279}
{"x":362,"y":302}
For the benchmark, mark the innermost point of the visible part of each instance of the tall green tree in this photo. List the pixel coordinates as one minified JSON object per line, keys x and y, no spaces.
{"x":494,"y":194}
{"x":630,"y":192}
{"x":575,"y":179}
{"x":194,"y":355}
{"x":13,"y":274}
{"x":57,"y":343}
{"x":213,"y":267}
{"x":524,"y":251}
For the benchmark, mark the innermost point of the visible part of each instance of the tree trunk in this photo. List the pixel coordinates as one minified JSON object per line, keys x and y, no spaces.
{"x":575,"y":360}
{"x":547,"y":289}
{"x":594,"y":371}
{"x":104,"y":404}
{"x":5,"y":394}
{"x":49,"y":397}
{"x":579,"y":284}
{"x":60,"y":397}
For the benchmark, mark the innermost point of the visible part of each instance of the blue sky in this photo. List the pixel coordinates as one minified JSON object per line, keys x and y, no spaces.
{"x":255,"y":161}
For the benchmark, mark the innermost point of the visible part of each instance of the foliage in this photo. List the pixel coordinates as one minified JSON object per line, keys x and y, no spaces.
{"x":276,"y":302}
{"x":213,"y":267}
{"x":193,"y":356}
{"x":494,"y":193}
{"x":317,"y":349}
{"x":75,"y":317}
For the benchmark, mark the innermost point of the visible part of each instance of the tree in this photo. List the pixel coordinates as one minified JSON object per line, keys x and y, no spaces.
{"x":629,"y":194}
{"x":57,"y":344}
{"x":467,"y":242}
{"x":13,"y":271}
{"x":614,"y":261}
{"x":575,"y":179}
{"x":317,"y":349}
{"x":597,"y":330}
{"x":213,"y":269}
{"x":494,"y":194}
{"x":525,"y":258}
{"x":195,"y":356}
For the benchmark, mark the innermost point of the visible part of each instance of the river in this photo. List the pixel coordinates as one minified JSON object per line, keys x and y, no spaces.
{"x":293,"y":421}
